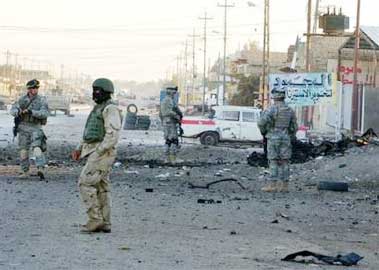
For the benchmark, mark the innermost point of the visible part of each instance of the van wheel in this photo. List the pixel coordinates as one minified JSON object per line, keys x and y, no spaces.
{"x":209,"y":138}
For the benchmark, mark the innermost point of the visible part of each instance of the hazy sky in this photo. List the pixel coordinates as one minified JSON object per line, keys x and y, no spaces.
{"x":139,"y":40}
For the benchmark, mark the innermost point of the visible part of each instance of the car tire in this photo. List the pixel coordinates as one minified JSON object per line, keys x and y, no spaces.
{"x":209,"y":138}
{"x":132,"y":108}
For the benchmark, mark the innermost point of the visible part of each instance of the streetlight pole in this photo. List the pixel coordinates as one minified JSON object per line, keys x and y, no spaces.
{"x":225,"y":6}
{"x":194,"y":36}
{"x":205,"y":18}
{"x":356,"y":60}
{"x":266,"y":51}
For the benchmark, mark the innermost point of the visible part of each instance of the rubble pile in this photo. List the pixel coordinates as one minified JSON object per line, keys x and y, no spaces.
{"x":305,"y":151}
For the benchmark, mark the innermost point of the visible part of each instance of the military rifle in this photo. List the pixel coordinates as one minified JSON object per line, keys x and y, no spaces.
{"x":17,"y":119}
{"x":179,"y":122}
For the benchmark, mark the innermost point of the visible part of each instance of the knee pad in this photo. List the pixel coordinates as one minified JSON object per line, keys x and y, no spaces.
{"x":37,"y":152}
{"x":24,"y":154}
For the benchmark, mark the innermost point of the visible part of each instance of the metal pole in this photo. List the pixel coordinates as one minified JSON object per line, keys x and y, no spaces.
{"x":205,"y":60}
{"x":356,"y":60}
{"x":218,"y":79}
{"x":225,"y":6}
{"x":264,"y":56}
{"x":193,"y":61}
{"x":224,"y":60}
{"x":307,"y":59}
{"x":185,"y":74}
{"x":309,"y":17}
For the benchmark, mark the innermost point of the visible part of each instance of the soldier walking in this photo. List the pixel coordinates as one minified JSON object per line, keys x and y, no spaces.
{"x":170,"y":116}
{"x":98,"y":145}
{"x":278,"y":125}
{"x":31,"y":112}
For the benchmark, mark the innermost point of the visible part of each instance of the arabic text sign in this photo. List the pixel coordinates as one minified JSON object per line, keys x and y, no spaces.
{"x":303,"y":89}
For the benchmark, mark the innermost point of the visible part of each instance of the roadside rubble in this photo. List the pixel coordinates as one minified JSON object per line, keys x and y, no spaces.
{"x":305,"y":151}
{"x":345,"y":260}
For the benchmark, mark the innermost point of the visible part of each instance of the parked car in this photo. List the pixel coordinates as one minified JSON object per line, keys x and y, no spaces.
{"x":225,"y":123}
{"x":59,"y":103}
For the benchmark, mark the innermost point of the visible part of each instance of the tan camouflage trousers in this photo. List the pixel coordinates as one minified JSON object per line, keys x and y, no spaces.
{"x":94,"y":186}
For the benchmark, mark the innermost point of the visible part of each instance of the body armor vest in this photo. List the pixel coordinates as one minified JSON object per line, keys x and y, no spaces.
{"x":36,"y":104}
{"x":282,"y":118}
{"x":94,"y":130}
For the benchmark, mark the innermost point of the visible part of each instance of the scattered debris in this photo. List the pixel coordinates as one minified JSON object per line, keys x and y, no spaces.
{"x":210,"y":201}
{"x":345,"y":260}
{"x":131,"y":172}
{"x":216,"y":182}
{"x":163,"y":175}
{"x":279,"y":214}
{"x":124,"y":248}
{"x":117,"y":164}
{"x":333,"y":186}
{"x":305,"y":151}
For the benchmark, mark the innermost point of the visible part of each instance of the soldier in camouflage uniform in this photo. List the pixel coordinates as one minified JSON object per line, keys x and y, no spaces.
{"x":170,"y":116}
{"x":278,"y":124}
{"x":32,"y":110}
{"x":98,"y":145}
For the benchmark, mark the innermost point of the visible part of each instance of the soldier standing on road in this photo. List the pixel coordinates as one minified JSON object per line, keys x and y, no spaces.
{"x":32,"y":111}
{"x":170,"y":115}
{"x":278,"y":124}
{"x":98,"y":145}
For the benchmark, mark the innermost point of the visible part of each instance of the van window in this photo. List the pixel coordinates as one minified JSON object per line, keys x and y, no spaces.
{"x":231,"y":115}
{"x":249,"y":117}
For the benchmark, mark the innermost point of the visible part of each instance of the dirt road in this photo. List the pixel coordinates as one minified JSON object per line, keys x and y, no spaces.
{"x":168,"y":228}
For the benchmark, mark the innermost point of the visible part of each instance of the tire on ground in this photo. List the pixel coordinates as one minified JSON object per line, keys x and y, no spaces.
{"x":209,"y":138}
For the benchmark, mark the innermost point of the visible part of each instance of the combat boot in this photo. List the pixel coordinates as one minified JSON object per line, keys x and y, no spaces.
{"x":271,"y":187}
{"x":41,"y":173}
{"x":106,"y":228}
{"x":92,"y":227}
{"x":172,"y":158}
{"x":283,"y":186}
{"x":24,"y":174}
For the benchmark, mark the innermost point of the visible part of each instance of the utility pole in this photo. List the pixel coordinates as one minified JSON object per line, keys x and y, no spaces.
{"x":306,"y":109}
{"x":266,"y":51}
{"x":356,"y":60}
{"x":205,"y":18}
{"x":185,"y":73}
{"x":194,"y":36}
{"x":225,"y":6}
{"x":218,"y":78}
{"x":308,"y":45}
{"x":315,"y":18}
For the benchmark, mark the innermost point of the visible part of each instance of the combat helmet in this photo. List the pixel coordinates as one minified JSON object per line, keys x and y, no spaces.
{"x":104,"y":84}
{"x":171,"y":89}
{"x":32,"y":84}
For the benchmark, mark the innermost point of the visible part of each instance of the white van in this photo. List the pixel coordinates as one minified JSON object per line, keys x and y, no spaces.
{"x":227,"y":123}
